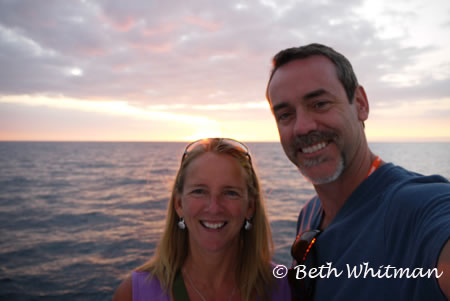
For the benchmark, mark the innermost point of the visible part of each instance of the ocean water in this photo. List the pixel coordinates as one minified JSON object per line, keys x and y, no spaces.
{"x":76,"y":217}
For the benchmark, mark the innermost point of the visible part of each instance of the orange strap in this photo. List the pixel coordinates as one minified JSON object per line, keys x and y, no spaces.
{"x":375,"y":165}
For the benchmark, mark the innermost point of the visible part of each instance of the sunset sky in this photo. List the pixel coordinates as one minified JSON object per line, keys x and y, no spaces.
{"x":157,"y":70}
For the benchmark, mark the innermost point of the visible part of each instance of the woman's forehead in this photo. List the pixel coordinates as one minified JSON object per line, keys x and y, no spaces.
{"x":215,"y":166}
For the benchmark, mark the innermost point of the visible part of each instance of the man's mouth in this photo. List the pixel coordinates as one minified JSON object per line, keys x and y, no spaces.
{"x":213,"y":225}
{"x":314,"y":148}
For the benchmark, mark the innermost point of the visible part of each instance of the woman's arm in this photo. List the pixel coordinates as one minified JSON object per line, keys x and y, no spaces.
{"x":124,"y":291}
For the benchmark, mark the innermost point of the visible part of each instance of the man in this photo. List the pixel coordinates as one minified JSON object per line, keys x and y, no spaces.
{"x":383,"y":231}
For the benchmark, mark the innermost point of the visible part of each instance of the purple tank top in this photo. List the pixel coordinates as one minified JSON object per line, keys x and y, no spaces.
{"x":145,"y":288}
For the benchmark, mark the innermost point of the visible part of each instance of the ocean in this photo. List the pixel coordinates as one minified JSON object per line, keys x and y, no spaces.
{"x":76,"y":217}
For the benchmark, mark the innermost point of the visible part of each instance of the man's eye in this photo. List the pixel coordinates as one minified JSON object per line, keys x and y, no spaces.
{"x":283,"y":116}
{"x":321,"y":104}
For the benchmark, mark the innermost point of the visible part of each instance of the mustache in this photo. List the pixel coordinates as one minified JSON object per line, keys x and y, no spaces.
{"x":312,"y":138}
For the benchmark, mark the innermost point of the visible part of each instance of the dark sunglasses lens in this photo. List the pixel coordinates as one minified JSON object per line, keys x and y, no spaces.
{"x":302,"y":286}
{"x":299,"y":249}
{"x":301,"y":246}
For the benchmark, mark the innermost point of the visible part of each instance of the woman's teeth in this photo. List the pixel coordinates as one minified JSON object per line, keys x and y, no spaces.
{"x":213,"y":225}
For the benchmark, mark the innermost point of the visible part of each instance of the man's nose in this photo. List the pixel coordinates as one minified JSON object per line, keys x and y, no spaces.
{"x":304,"y":123}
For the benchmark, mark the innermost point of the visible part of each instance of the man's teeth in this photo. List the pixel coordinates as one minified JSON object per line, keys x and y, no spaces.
{"x":213,"y":225}
{"x":314,"y":148}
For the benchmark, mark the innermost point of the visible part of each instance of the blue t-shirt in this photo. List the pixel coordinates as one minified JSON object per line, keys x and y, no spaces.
{"x":390,"y":230}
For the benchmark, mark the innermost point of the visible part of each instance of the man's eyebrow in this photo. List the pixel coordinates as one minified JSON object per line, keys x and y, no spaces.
{"x":279,"y":107}
{"x":307,"y":96}
{"x":315,"y":93}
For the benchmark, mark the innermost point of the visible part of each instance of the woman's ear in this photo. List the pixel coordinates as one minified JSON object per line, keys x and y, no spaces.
{"x":251,"y":209}
{"x":178,"y":204}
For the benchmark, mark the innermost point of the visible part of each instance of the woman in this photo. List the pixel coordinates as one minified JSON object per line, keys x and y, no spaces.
{"x":217,"y":243}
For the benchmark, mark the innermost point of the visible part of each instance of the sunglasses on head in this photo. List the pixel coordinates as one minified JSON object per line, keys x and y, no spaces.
{"x":302,"y":247}
{"x":236,"y":144}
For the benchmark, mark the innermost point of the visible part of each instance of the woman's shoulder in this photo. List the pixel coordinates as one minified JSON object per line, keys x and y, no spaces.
{"x":140,"y":286}
{"x":147,"y":287}
{"x":124,"y":291}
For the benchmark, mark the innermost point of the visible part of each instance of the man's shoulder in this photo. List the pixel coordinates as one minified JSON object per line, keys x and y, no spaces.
{"x":414,"y":187}
{"x":403,"y":174}
{"x":416,"y":200}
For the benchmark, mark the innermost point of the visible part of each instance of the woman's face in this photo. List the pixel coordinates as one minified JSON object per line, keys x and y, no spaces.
{"x":214,"y":202}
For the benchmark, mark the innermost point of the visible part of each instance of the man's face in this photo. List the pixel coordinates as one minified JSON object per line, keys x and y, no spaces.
{"x":319,"y":129}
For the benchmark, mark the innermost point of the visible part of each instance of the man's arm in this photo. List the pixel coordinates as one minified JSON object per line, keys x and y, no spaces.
{"x":444,"y":266}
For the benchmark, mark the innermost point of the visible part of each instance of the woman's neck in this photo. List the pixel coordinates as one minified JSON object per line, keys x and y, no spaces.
{"x":215,"y":269}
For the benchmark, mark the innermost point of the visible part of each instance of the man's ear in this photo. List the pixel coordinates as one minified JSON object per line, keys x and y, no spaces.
{"x":361,"y":103}
{"x":178,"y":204}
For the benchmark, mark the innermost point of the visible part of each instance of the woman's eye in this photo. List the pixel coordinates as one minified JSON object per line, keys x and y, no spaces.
{"x":198,"y":191}
{"x":232,"y":193}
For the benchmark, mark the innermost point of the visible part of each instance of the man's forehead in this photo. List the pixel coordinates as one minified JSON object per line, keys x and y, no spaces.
{"x":312,"y":64}
{"x":304,"y":82}
{"x":315,"y":68}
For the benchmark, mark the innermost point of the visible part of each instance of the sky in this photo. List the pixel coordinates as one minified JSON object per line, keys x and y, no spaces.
{"x":161,"y":70}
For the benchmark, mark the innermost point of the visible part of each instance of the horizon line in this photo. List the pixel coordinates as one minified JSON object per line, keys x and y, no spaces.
{"x":390,"y":140}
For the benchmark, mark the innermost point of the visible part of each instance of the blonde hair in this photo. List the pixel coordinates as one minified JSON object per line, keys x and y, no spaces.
{"x":253,"y":273}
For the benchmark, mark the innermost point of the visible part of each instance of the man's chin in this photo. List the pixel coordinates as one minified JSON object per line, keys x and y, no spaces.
{"x":321,"y":178}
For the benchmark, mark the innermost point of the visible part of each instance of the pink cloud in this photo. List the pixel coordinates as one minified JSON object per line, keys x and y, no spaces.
{"x":208,"y":25}
{"x":163,"y":29}
{"x":120,"y":24}
{"x":153,"y":47}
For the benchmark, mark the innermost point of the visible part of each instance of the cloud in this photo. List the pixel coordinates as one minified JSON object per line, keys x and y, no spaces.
{"x":115,"y":108}
{"x":154,"y":53}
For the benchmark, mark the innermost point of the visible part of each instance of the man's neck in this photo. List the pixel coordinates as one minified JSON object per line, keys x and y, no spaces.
{"x":334,"y":195}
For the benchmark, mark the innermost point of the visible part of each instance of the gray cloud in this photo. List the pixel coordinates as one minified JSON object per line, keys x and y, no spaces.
{"x":155,"y":52}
